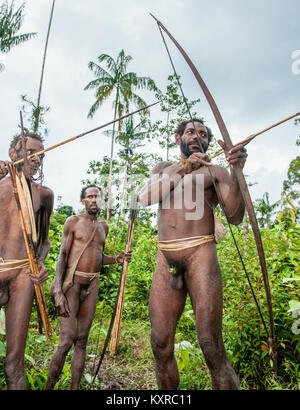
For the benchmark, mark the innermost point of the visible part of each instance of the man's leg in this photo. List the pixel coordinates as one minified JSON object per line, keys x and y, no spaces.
{"x":165,"y":308}
{"x":67,"y":335}
{"x":17,"y":313}
{"x":203,"y":279}
{"x":84,"y":321}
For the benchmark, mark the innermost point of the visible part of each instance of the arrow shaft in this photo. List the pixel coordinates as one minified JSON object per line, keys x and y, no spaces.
{"x":20,"y":161}
{"x":252,"y":136}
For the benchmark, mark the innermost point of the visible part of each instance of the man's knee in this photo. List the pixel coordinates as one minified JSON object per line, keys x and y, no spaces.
{"x":162,"y":345}
{"x":81,"y":341}
{"x":65,"y":343}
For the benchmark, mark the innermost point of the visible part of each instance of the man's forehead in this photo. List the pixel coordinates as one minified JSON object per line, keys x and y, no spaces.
{"x":34,"y":144}
{"x":195,"y":124}
{"x":92,"y":191}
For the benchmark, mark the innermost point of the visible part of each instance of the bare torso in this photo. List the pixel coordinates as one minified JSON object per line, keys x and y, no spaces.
{"x":82,"y":228}
{"x":12,"y":246}
{"x":186,"y":222}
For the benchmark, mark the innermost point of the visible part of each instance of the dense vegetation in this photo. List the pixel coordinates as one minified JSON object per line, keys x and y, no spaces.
{"x":245,"y":338}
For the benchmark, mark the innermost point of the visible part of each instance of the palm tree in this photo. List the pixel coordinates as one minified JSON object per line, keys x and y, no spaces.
{"x":10,"y":23}
{"x":116,"y":82}
{"x":131,"y":135}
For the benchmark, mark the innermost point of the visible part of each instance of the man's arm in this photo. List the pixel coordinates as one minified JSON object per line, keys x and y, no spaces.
{"x":164,"y":177}
{"x":228,"y":185}
{"x":60,"y":300}
{"x":43,"y":223}
{"x":122,"y":257}
{"x":110,"y":260}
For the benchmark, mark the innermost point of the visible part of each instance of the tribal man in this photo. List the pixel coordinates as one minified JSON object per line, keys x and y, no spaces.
{"x":16,"y":279}
{"x":187,"y":259}
{"x":75,"y":288}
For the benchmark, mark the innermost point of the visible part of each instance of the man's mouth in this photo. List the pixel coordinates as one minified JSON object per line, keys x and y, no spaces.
{"x":193,"y":145}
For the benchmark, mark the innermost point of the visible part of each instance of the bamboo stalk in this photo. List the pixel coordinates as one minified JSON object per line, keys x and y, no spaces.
{"x":44,"y":62}
{"x":248,"y":139}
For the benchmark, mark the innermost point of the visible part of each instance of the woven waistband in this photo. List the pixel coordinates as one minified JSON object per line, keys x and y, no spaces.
{"x":184,"y":243}
{"x":87,"y":275}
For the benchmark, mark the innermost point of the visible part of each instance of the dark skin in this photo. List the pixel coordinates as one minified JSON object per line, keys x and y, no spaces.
{"x":17,"y":285}
{"x":76,"y":308}
{"x":197,"y":268}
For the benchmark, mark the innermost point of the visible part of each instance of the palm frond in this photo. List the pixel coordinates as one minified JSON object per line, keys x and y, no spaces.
{"x":98,"y":71}
{"x":104,"y":91}
{"x":147,"y":83}
{"x":110,"y":62}
{"x":98,"y":82}
{"x":94,"y":108}
{"x":10,"y":23}
{"x":140,"y":103}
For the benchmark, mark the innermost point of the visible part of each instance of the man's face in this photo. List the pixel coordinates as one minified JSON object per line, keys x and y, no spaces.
{"x":92,"y":200}
{"x":32,"y":146}
{"x":189,"y":141}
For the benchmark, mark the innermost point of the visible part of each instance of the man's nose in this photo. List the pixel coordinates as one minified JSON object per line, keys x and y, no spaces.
{"x":36,"y":159}
{"x":195,"y":137}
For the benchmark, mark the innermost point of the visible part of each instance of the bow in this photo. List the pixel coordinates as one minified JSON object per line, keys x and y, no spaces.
{"x":242,"y":184}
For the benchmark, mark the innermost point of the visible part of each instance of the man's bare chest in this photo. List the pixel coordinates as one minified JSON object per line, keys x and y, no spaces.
{"x":8,"y":202}
{"x":196,"y":183}
{"x":84,"y":233}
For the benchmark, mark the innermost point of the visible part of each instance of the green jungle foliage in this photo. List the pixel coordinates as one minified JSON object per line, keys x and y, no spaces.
{"x":245,"y":338}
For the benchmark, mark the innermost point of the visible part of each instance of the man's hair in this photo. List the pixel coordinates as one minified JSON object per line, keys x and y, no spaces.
{"x":27,"y":134}
{"x":82,"y":194}
{"x":181,"y":127}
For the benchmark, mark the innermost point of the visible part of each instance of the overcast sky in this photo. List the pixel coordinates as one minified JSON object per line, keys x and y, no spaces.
{"x":242,"y":49}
